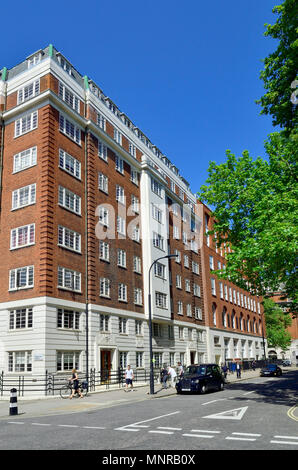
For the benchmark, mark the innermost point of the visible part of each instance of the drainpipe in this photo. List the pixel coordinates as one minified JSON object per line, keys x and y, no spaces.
{"x":86,"y":243}
{"x":2,"y":85}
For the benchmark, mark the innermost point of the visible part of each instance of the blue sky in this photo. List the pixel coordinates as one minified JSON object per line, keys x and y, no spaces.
{"x":186,"y":73}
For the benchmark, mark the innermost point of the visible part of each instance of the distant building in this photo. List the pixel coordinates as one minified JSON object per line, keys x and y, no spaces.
{"x":292,"y":352}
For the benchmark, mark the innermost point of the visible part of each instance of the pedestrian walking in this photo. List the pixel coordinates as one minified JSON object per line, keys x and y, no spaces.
{"x":75,"y":384}
{"x":253,"y":365}
{"x":238,"y":370}
{"x":172,"y":374}
{"x":164,"y":377}
{"x":224,"y":370}
{"x":180,"y":370}
{"x":129,"y":376}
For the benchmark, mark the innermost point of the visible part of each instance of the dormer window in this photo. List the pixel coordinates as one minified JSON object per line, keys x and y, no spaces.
{"x":64,"y":64}
{"x":34,"y":59}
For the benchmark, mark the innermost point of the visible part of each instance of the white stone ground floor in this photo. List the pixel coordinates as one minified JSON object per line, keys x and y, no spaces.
{"x":42,"y":335}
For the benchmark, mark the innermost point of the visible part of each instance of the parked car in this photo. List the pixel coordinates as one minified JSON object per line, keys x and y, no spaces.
{"x":286,"y":363}
{"x":271,"y":370}
{"x":201,"y":378}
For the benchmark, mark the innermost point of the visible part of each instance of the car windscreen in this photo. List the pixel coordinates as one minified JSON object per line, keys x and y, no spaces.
{"x":271,"y":366}
{"x":195,"y":370}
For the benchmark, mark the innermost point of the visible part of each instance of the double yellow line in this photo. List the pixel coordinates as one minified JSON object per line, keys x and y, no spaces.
{"x":291,"y":414}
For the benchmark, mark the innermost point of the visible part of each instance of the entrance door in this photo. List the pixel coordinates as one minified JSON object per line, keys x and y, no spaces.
{"x":192,"y":357}
{"x":105,"y":361}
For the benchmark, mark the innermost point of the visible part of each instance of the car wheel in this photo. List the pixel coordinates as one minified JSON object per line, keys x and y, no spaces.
{"x":203,"y":388}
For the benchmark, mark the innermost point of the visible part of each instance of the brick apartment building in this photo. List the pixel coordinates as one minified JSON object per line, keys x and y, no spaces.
{"x":87,"y":204}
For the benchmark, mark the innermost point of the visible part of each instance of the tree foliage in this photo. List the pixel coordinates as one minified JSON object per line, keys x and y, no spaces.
{"x":277,"y":323}
{"x":280,"y":69}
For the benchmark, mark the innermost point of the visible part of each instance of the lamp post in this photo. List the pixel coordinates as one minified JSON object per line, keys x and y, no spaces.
{"x":150,"y":323}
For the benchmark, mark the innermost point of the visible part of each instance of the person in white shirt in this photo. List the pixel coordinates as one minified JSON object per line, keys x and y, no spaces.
{"x":128,"y":378}
{"x":172,"y":374}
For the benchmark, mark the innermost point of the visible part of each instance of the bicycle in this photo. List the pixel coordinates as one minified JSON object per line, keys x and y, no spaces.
{"x":66,"y":390}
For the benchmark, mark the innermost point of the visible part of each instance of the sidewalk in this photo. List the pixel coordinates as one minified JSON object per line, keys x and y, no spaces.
{"x":50,"y":406}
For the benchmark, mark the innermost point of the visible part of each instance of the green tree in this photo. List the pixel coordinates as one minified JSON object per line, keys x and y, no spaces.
{"x":277,"y":323}
{"x":280,"y":69}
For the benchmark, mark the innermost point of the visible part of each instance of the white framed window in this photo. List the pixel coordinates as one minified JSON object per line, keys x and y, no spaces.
{"x":68,"y":319}
{"x":139,"y":328}
{"x":226,"y":292}
{"x":195,"y":267}
{"x":69,"y":279}
{"x":65,"y":65}
{"x":122,"y":292}
{"x":136,"y":233}
{"x":102,"y":151}
{"x":69,"y":200}
{"x":21,"y":318}
{"x":69,"y":239}
{"x":176,"y":233}
{"x":21,"y":278}
{"x":132,"y":149}
{"x":221,"y":291}
{"x":178,"y":281}
{"x":184,"y":238}
{"x":69,"y":97}
{"x":138,"y":296}
{"x":120,"y":195}
{"x":135,"y":204}
{"x":119,"y":164}
{"x":156,"y":187}
{"x":238,"y":298}
{"x":104,"y":287}
{"x":117,"y":136}
{"x":188,"y":310}
{"x":230,"y":294}
{"x":139,"y":359}
{"x":245,"y":302}
{"x":259,"y":308}
{"x":211,"y":262}
{"x":24,"y":196}
{"x":186,"y":261}
{"x":173,"y":186}
{"x":121,"y":258}
{"x":25,"y":159}
{"x":187,"y":285}
{"x":157,"y":330}
{"x":103,"y":216}
{"x":103,"y":183}
{"x":180,"y":307}
{"x":101,"y":121}
{"x":70,"y":129}
{"x":104,"y":251}
{"x":28,"y":91}
{"x":22,"y":236}
{"x":68,"y":360}
{"x":121,"y":228}
{"x":70,"y":164}
{"x":161,"y":300}
{"x":198,"y":313}
{"x":213,"y":286}
{"x":160,"y":270}
{"x":34,"y":60}
{"x":122,"y":360}
{"x":104,"y":321}
{"x":134,"y":177}
{"x":137,"y":264}
{"x":196,"y":290}
{"x":26,"y":124}
{"x":20,"y":361}
{"x":234,"y":296}
{"x":157,"y":214}
{"x":122,"y":325}
{"x":178,"y":256}
{"x":158,"y":241}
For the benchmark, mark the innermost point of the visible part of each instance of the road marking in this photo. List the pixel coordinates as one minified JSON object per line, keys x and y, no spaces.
{"x":247,"y":393}
{"x":40,"y":424}
{"x":15,"y":422}
{"x":286,"y":437}
{"x":93,"y":427}
{"x":240,"y":439}
{"x":213,"y":401}
{"x":138,"y":424}
{"x":291,"y":413}
{"x":170,"y":429}
{"x":246,"y":434}
{"x":284,"y":442}
{"x":67,"y":425}
{"x":161,"y":432}
{"x":236,"y":413}
{"x":198,"y":435}
{"x":203,"y":430}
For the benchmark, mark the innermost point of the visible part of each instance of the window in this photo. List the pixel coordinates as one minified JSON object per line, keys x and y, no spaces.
{"x":102,"y":151}
{"x":157,"y":330}
{"x":121,"y":228}
{"x":234,"y":296}
{"x":138,"y":296}
{"x":176,"y":234}
{"x":103,"y":183}
{"x":69,"y":239}
{"x":139,"y":359}
{"x":178,"y":281}
{"x":158,"y":241}
{"x":101,"y":121}
{"x":22,"y":236}
{"x":170,"y":332}
{"x":226,"y":292}
{"x":156,"y":187}
{"x":238,"y":298}
{"x":134,"y":177}
{"x":65,"y":65}
{"x":20,"y":361}
{"x":69,"y":164}
{"x":173,"y":186}
{"x":180,"y":307}
{"x":68,"y":360}
{"x":119,"y":164}
{"x":34,"y":60}
{"x":21,"y":278}
{"x":24,"y":196}
{"x":187,"y":285}
{"x":196,"y":290}
{"x":195,"y":268}
{"x":122,"y":292}
{"x":104,"y":251}
{"x":69,"y":200}
{"x":161,"y":300}
{"x":103,"y":216}
{"x":230,"y":294}
{"x":104,"y":287}
{"x":25,"y":159}
{"x":70,"y":98}
{"x":221,"y":290}
{"x":157,"y":359}
{"x":132,"y":149}
{"x":214,"y":314}
{"x":135,"y":204}
{"x":122,"y":359}
{"x":26,"y":124}
{"x":156,"y":213}
{"x":137,"y":265}
{"x":68,"y":128}
{"x":69,"y":279}
{"x":178,"y":256}
{"x":122,"y":325}
{"x":181,"y":334}
{"x":120,"y":196}
{"x":188,"y":310}
{"x":117,"y":136}
{"x":186,"y":261}
{"x":139,"y":327}
{"x":160,"y":270}
{"x":21,"y":318}
{"x":122,"y":258}
{"x":198,"y":313}
{"x":104,"y":323}
{"x":211,"y":262}
{"x":136,"y":233}
{"x":68,"y":319}
{"x":213,"y":286}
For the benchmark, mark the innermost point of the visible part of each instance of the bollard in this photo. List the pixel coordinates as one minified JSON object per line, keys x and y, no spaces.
{"x":13,"y":407}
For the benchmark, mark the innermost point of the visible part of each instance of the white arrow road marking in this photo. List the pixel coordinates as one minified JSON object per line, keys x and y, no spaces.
{"x":129,"y":427}
{"x":236,"y":413}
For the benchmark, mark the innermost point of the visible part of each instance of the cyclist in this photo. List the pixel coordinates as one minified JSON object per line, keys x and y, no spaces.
{"x":75,"y":384}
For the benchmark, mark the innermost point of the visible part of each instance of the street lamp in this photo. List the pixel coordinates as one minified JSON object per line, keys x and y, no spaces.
{"x":150,"y":323}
